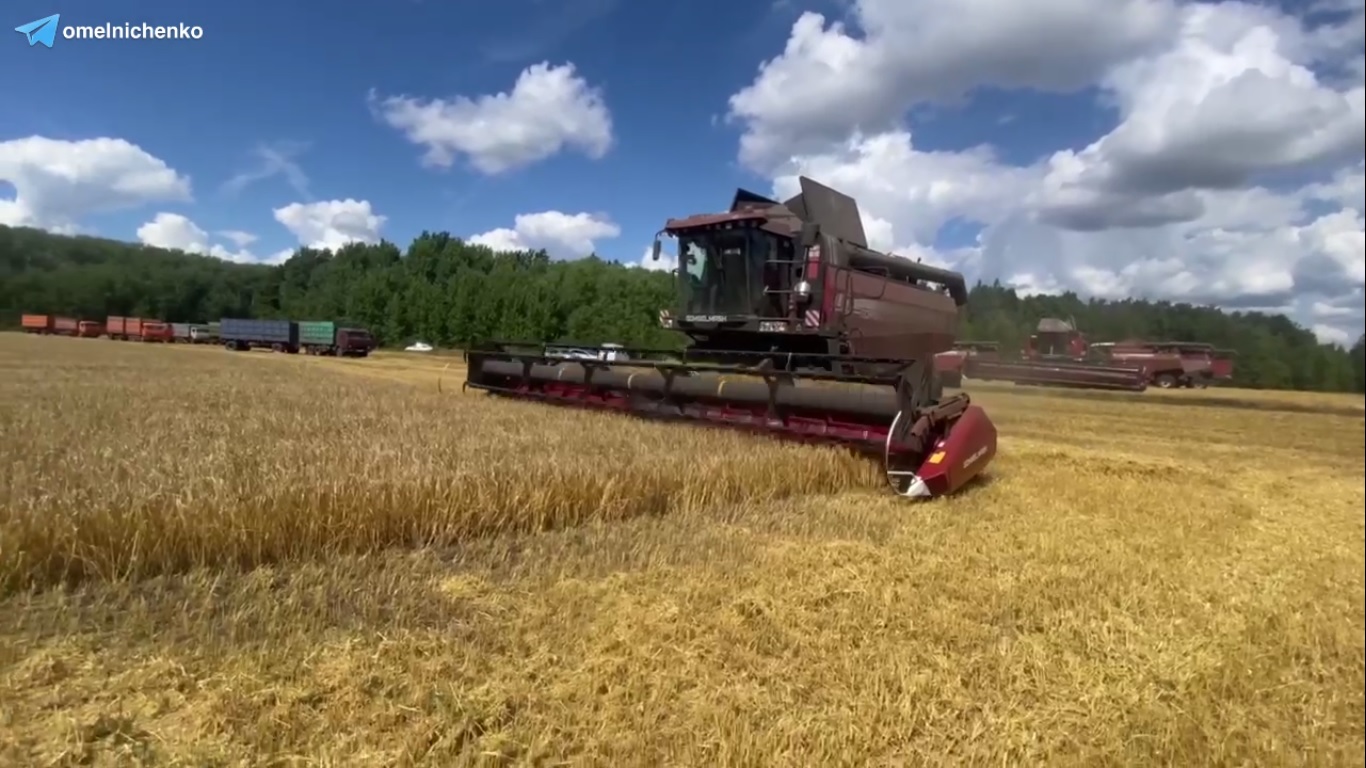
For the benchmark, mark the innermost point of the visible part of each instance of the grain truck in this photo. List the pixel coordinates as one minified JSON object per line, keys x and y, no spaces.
{"x":36,"y":324}
{"x":157,"y":331}
{"x":323,"y":337}
{"x":204,"y":333}
{"x":191,"y":333}
{"x":240,"y":335}
{"x":123,"y":328}
{"x":49,"y":324}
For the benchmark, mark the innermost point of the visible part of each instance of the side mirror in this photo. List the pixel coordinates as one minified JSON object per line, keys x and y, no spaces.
{"x":811,"y":233}
{"x":654,"y":250}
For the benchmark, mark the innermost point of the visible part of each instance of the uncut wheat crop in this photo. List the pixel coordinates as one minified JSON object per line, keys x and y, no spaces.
{"x":127,"y":463}
{"x":221,"y":559}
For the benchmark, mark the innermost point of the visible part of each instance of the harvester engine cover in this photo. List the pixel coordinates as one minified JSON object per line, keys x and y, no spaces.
{"x":929,"y":447}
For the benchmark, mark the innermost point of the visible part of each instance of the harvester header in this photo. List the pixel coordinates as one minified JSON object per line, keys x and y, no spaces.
{"x":773,"y":297}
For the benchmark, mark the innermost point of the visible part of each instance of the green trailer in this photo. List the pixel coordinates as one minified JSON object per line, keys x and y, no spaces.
{"x":324,"y":337}
{"x":317,"y":333}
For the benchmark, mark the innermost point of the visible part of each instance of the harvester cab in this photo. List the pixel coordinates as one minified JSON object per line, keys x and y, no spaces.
{"x":773,"y":296}
{"x":1055,"y":338}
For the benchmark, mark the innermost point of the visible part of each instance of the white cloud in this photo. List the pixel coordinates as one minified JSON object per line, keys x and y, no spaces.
{"x":240,"y":238}
{"x":829,"y":81}
{"x":331,"y":224}
{"x":1328,"y":334}
{"x":172,"y":230}
{"x":58,"y":183}
{"x":1224,"y":102}
{"x":667,"y":261}
{"x":1210,"y":98}
{"x":549,"y":109}
{"x":562,"y":235}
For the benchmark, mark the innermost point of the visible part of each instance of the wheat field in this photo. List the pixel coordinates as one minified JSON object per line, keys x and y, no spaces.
{"x":217,"y":559}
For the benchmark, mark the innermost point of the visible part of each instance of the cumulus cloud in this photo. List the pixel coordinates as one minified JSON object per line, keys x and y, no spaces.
{"x":562,"y":235}
{"x":1176,"y":201}
{"x":1225,"y":102}
{"x":331,"y":224}
{"x":174,"y":231}
{"x":57,"y":183}
{"x":549,"y":109}
{"x":830,"y":79}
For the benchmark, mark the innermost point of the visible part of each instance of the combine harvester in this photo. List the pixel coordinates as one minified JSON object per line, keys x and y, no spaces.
{"x":1058,"y":355}
{"x":982,"y":360}
{"x":777,"y":299}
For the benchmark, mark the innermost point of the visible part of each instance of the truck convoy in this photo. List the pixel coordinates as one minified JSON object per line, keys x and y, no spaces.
{"x":311,"y":336}
{"x":314,"y":337}
{"x":774,"y":295}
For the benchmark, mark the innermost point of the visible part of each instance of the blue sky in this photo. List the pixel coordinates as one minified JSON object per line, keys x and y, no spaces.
{"x":299,"y":72}
{"x":296,"y":74}
{"x":1206,"y":152}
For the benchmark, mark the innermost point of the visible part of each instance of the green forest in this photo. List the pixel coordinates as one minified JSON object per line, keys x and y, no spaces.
{"x":447,"y":292}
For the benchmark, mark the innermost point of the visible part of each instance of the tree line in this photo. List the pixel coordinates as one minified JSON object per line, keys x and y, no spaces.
{"x":448,"y":292}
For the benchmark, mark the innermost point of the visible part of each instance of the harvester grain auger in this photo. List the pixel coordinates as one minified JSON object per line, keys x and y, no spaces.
{"x":797,"y":330}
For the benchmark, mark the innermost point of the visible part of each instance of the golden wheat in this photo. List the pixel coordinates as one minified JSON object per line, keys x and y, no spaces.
{"x":272,"y":560}
{"x":134,"y":463}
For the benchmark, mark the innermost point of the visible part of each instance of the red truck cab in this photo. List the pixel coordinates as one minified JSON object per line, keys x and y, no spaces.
{"x":354,"y":342}
{"x":157,"y":331}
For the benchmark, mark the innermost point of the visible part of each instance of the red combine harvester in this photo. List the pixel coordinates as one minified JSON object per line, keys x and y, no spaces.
{"x":1169,"y":365}
{"x":1058,"y":355}
{"x":982,"y":360}
{"x":1221,"y":364}
{"x":1203,"y":362}
{"x":772,"y":294}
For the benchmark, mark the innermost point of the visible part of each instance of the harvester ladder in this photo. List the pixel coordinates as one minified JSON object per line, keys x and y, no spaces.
{"x":791,"y":263}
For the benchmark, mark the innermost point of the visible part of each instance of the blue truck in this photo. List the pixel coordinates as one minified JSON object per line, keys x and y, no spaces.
{"x":240,"y":335}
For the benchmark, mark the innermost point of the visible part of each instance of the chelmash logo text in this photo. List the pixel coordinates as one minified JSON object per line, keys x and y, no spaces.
{"x":46,"y":30}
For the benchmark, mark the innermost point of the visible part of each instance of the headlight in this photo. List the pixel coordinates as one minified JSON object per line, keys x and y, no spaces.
{"x":803,"y":290}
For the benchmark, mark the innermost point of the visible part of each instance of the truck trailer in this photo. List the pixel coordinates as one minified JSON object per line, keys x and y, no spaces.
{"x":240,"y":335}
{"x":123,"y":328}
{"x":157,"y":331}
{"x":36,"y":324}
{"x":323,"y":337}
